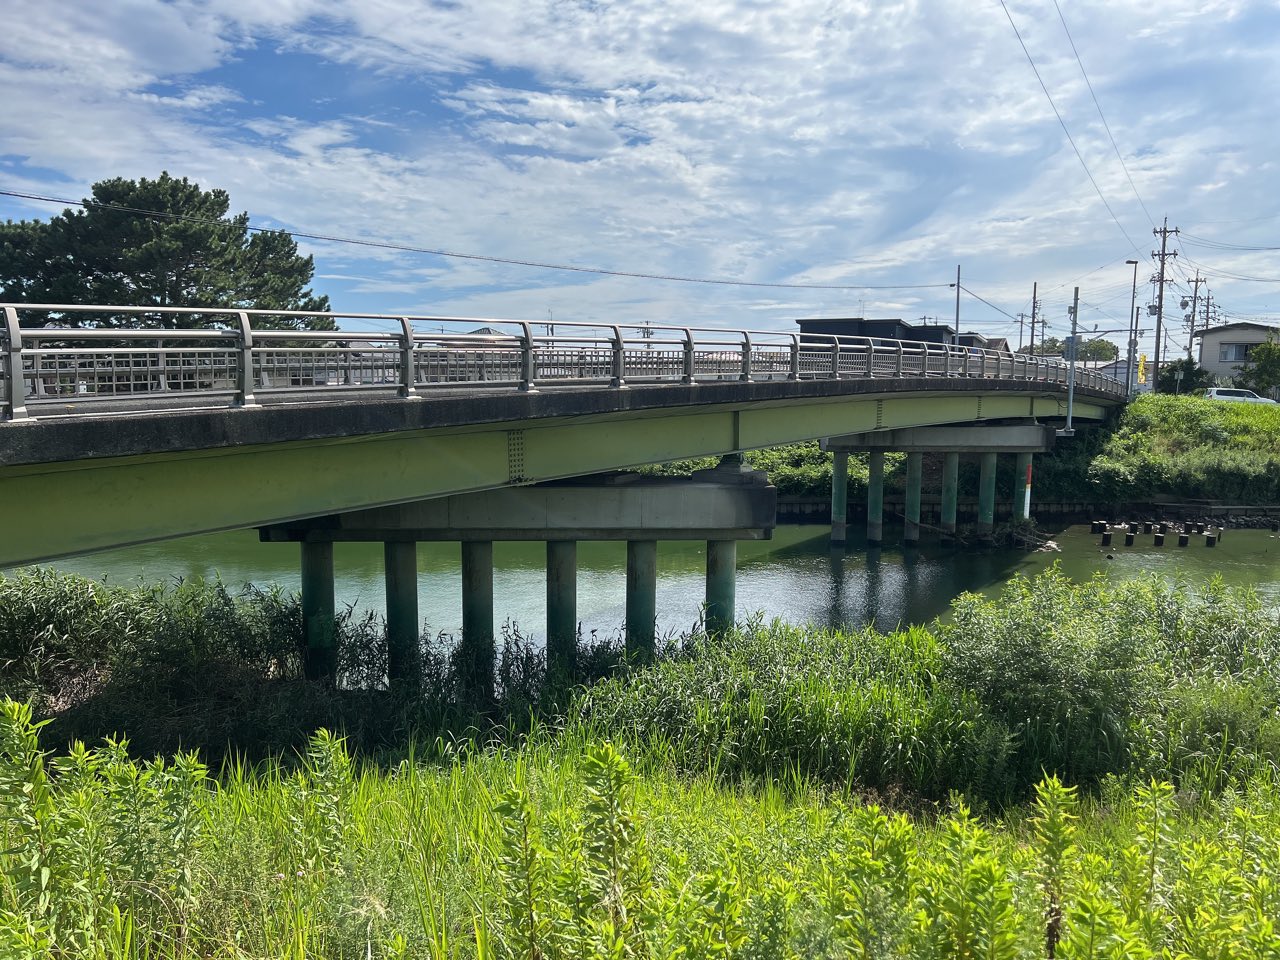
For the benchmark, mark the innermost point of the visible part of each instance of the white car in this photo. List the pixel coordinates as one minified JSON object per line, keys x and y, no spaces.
{"x":1236,"y":394}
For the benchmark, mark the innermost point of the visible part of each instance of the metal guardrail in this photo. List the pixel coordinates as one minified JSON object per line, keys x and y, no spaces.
{"x":223,"y":357}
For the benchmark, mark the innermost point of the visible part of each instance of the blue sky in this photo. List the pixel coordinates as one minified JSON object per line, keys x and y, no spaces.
{"x":868,"y":144}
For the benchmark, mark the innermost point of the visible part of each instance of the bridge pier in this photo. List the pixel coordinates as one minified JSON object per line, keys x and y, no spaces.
{"x":1022,"y":487}
{"x":400,"y":566}
{"x":950,"y":493}
{"x":562,"y":607}
{"x":719,"y":506}
{"x":642,"y":599}
{"x":476,"y":652}
{"x":911,"y":528}
{"x":1023,"y":439}
{"x":318,"y":611}
{"x":722,"y":563}
{"x":986,"y":495}
{"x":839,"y":496}
{"x":875,"y":497}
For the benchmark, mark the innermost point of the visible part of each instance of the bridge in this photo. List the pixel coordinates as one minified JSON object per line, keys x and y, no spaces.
{"x":126,"y":425}
{"x":169,"y":422}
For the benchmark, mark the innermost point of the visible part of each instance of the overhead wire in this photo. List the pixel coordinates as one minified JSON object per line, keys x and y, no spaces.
{"x":452,"y":254}
{"x":1106,"y":126}
{"x":1062,"y":123}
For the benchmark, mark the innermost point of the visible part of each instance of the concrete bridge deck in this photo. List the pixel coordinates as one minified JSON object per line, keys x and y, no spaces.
{"x":118,"y":436}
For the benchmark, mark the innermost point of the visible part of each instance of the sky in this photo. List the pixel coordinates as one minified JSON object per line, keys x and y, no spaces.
{"x":869,"y":146}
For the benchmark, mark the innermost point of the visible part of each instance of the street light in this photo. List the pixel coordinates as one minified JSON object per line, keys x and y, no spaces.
{"x":1130,"y":370}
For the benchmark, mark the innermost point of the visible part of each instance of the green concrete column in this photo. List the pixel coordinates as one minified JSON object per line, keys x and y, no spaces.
{"x":476,"y":654}
{"x":722,"y":562}
{"x":911,"y":532}
{"x":562,"y":607}
{"x":1022,"y":487}
{"x":875,"y":497}
{"x":642,"y":598}
{"x":986,"y":495}
{"x":839,"y":495}
{"x":400,"y":571}
{"x":321,"y":656}
{"x":950,"y":494}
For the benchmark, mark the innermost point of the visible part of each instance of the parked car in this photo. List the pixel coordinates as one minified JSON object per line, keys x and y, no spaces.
{"x":1237,"y":394}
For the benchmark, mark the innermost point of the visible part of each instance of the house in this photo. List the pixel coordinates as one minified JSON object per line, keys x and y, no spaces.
{"x":1224,"y":348}
{"x":877,"y":329}
{"x":998,"y":344}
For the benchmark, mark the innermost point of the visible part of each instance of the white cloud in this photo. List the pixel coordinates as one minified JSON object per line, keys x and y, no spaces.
{"x":794,"y":141}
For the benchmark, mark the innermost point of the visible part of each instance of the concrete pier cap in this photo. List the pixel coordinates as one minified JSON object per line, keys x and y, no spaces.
{"x":969,"y":438}
{"x":724,"y":503}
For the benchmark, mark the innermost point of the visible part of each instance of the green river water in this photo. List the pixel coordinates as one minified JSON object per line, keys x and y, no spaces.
{"x":795,"y":576}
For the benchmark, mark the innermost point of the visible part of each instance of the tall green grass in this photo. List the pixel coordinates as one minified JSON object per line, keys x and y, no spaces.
{"x":562,"y":849}
{"x":1079,"y":680}
{"x":718,"y":803}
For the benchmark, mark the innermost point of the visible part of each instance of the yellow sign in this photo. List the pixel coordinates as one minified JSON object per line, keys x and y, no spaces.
{"x":1142,"y":368}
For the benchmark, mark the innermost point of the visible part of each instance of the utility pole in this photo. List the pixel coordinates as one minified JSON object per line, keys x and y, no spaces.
{"x":1195,"y":310}
{"x":957,"y":300}
{"x":1071,"y":377}
{"x":1032,"y":345}
{"x":1021,"y":318}
{"x":1163,"y":234}
{"x":1131,"y":371}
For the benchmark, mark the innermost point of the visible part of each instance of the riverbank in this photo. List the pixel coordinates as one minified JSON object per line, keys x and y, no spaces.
{"x":777,"y":793}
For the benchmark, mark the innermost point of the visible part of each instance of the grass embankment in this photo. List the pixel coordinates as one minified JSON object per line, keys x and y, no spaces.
{"x":742,"y":826}
{"x":1190,"y":447}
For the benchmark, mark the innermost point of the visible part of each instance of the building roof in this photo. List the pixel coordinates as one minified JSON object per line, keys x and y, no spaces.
{"x":1240,"y":325}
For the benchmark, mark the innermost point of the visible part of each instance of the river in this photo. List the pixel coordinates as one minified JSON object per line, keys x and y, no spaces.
{"x":794,"y":576}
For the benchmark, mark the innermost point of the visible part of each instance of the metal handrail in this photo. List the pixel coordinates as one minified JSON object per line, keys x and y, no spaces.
{"x":45,"y":365}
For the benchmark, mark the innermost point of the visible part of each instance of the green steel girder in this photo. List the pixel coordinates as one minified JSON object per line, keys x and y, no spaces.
{"x":72,"y":507}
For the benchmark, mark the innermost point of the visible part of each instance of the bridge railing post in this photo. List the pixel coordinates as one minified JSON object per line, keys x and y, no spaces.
{"x":689,"y":372}
{"x":15,"y":388}
{"x":899,"y":359}
{"x":835,"y":358}
{"x":408,"y":374}
{"x":746,"y":356}
{"x":244,"y":364}
{"x":794,"y":374}
{"x":619,"y":379}
{"x":528,"y":368}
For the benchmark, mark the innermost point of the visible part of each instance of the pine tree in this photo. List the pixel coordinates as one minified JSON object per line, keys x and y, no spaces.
{"x":182,"y":250}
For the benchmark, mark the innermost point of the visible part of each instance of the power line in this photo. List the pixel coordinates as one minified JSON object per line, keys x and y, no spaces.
{"x":1062,"y":123}
{"x":989,"y":304}
{"x":1228,"y":274}
{"x":1222,"y":245}
{"x":1106,"y":126}
{"x":407,"y":248}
